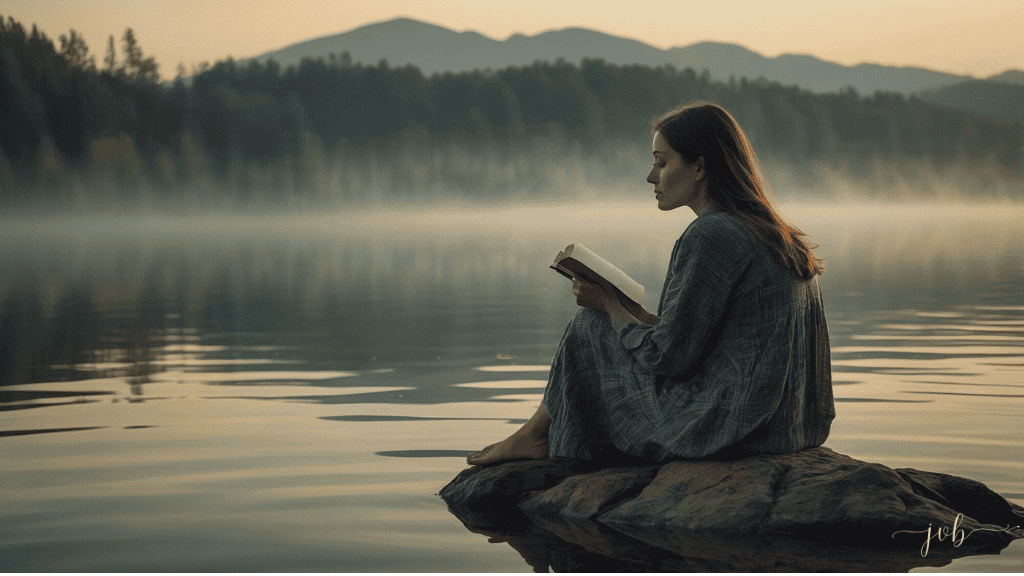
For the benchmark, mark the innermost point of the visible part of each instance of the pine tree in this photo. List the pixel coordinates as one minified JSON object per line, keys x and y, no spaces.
{"x":110,"y":60}
{"x":74,"y":49}
{"x":139,"y":69}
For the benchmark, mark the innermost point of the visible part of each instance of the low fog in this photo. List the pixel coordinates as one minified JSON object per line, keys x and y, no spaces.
{"x":485,"y":174}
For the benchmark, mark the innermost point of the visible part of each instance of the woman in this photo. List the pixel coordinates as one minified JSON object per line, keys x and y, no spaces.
{"x":737,"y":362}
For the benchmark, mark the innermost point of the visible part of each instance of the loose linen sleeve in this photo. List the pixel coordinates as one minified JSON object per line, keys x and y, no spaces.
{"x":707,"y":262}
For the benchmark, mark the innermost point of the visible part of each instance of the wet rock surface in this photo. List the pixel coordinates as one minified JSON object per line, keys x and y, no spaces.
{"x":707,"y":510}
{"x":488,"y":496}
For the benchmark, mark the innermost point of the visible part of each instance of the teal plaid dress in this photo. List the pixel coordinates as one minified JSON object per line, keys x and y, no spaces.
{"x":738,"y":363}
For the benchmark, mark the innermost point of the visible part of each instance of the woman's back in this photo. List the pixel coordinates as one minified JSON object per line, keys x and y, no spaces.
{"x":741,"y":353}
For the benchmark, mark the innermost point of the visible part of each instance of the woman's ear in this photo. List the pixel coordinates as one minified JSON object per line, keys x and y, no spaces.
{"x":700,"y":169}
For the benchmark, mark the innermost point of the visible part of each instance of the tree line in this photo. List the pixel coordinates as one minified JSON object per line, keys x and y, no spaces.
{"x":68,"y":126}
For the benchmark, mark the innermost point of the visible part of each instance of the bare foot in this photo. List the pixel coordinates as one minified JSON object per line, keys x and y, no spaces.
{"x":514,"y":447}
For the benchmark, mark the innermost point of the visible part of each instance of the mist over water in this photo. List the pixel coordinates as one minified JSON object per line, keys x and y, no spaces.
{"x":548,"y":169}
{"x":289,"y":391}
{"x":860,"y":242}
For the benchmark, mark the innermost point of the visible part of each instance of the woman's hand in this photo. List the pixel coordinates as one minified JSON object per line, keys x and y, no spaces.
{"x":601,"y":296}
{"x":598,"y":295}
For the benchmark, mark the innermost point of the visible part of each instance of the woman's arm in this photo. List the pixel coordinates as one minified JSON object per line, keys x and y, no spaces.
{"x":601,"y":296}
{"x":707,"y":263}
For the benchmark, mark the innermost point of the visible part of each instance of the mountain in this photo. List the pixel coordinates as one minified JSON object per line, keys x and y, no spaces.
{"x":437,"y":49}
{"x":809,"y":72}
{"x":1008,"y":77}
{"x":999,"y":99}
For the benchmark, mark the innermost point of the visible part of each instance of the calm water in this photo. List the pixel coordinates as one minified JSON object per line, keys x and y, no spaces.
{"x":291,"y":393}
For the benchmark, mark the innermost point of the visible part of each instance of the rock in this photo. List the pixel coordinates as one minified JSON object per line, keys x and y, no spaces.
{"x":485,"y":496}
{"x":814,"y":494}
{"x":687,"y":506}
{"x":567,"y":510}
{"x":584,"y":496}
{"x":958,"y":493}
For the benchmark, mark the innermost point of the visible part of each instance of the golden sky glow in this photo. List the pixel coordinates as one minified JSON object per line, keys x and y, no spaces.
{"x":976,"y":37}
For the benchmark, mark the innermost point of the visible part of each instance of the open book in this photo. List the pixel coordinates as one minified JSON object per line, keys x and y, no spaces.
{"x":578,"y":260}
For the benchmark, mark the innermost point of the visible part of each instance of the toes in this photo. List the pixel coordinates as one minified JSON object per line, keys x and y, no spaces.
{"x":478,"y":457}
{"x":480,"y":454}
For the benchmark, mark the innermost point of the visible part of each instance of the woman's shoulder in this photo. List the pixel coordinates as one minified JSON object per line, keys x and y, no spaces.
{"x":719,"y":236}
{"x":719,"y":226}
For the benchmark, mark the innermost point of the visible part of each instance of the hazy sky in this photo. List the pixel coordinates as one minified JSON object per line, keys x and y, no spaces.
{"x":976,"y":37}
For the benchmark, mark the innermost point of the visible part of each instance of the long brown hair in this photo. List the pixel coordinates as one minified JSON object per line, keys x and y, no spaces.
{"x":702,"y":129}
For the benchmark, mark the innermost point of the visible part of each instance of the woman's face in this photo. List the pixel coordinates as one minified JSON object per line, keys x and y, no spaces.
{"x":676,"y":182}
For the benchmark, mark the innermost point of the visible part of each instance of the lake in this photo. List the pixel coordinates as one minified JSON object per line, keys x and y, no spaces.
{"x":289,"y":393}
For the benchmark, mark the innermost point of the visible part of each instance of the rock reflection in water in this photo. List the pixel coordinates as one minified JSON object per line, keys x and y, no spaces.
{"x":591,"y":547}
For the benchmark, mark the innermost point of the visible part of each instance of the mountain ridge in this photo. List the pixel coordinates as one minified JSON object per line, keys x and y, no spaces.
{"x":435,"y":48}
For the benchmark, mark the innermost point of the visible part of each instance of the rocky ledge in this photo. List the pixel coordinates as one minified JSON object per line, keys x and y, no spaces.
{"x":814,"y":495}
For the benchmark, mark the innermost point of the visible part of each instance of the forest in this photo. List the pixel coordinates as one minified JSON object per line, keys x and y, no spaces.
{"x":74,"y":133}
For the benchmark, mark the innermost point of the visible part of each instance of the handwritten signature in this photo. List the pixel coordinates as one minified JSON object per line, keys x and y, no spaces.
{"x":954,"y":532}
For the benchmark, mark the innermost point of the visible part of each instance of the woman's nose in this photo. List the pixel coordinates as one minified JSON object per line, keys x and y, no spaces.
{"x":651,"y":177}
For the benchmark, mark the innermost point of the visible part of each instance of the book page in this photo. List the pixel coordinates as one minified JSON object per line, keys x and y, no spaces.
{"x":631,"y":288}
{"x":570,"y":267}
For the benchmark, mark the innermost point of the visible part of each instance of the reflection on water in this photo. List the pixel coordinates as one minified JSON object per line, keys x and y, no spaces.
{"x":220,"y":395}
{"x":592,"y":547}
